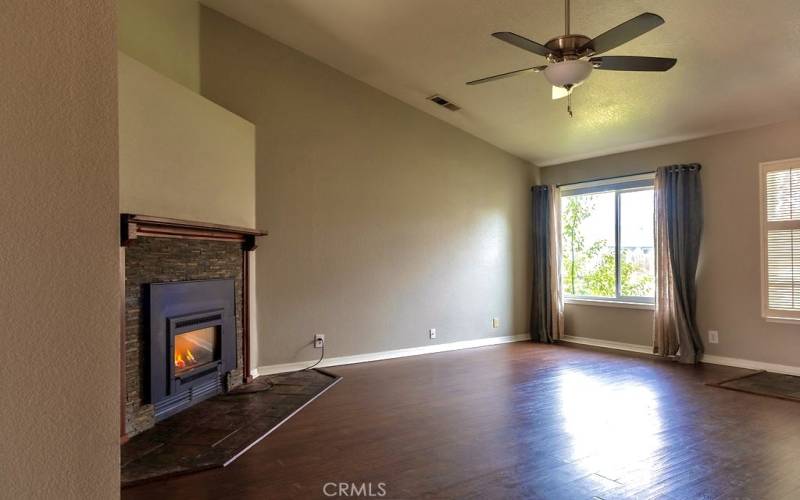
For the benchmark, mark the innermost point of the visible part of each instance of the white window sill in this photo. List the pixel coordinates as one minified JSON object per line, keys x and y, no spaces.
{"x":775,"y":319}
{"x":609,"y":303}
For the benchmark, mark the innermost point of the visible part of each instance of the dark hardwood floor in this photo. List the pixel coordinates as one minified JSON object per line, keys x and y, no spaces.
{"x":520,"y":421}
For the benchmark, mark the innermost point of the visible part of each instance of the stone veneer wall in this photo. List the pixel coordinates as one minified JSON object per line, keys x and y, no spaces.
{"x":159,"y":260}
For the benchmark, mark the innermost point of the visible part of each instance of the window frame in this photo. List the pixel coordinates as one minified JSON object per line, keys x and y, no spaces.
{"x":772,"y":315}
{"x":617,"y":185}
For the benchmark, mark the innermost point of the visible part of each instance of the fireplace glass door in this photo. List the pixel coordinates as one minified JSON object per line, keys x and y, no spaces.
{"x":195,"y":348}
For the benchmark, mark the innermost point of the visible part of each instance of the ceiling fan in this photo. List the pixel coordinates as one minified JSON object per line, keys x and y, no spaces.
{"x":571,"y":58}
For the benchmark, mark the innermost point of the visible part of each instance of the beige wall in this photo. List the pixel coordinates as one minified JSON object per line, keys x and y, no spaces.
{"x":59,"y":359}
{"x":729,"y":272}
{"x":164,"y":34}
{"x":383,"y":221}
{"x":181,"y":155}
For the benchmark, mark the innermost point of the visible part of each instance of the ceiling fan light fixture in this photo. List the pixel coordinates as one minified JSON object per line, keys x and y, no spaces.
{"x":567,"y":54}
{"x":567,"y":74}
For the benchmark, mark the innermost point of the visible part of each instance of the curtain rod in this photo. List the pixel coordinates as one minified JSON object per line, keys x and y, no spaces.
{"x":693,"y":165}
{"x":606,"y":178}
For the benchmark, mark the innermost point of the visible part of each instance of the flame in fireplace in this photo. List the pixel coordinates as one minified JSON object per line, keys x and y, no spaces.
{"x":179,"y":362}
{"x":194,"y":348}
{"x":184,"y":359}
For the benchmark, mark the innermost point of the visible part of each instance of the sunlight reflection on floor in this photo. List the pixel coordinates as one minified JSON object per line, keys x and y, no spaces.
{"x":614,"y":427}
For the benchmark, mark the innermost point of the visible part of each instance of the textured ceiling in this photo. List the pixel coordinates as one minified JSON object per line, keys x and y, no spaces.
{"x":738,"y":65}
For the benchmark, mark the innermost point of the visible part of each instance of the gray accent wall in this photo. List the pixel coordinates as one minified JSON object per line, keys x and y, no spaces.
{"x":384,"y":221}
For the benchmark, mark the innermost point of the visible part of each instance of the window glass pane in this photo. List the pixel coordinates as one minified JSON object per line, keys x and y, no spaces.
{"x":783,"y":195}
{"x":783,"y":269}
{"x":637,"y":257}
{"x":588,"y":244}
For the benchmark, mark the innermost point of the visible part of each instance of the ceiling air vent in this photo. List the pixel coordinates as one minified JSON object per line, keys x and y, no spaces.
{"x":441,"y":101}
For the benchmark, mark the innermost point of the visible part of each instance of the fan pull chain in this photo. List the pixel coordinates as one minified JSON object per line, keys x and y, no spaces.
{"x":569,"y":104}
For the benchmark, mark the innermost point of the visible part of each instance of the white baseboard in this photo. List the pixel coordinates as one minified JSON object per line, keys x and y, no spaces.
{"x":608,"y":344}
{"x":707,"y":358}
{"x":397,"y":353}
{"x":753,"y":365}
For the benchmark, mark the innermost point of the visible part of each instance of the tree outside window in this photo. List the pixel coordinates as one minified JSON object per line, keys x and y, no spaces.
{"x":589,"y":244}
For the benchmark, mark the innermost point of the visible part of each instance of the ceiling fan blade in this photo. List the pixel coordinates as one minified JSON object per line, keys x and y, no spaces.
{"x":625,"y":32}
{"x":523,"y":43}
{"x":560,"y":92}
{"x":534,"y":69}
{"x":633,"y":63}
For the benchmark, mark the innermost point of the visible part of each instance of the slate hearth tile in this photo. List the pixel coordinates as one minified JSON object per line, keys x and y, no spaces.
{"x":229,"y":421}
{"x":136,"y":448}
{"x":288,"y":389}
{"x":203,"y":418}
{"x":202,"y":436}
{"x":163,"y":433}
{"x":292,"y":399}
{"x":245,"y":437}
{"x":216,"y":430}
{"x":141,"y":471}
{"x":173,"y":456}
{"x":258,"y":405}
{"x":187,"y":418}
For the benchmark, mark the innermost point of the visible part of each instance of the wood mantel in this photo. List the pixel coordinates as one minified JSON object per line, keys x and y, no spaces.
{"x":134,"y":225}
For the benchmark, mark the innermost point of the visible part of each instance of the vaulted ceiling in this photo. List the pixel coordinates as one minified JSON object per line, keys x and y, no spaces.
{"x":738,"y":65}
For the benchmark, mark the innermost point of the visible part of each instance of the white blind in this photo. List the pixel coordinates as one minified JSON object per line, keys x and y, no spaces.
{"x":780,"y":183}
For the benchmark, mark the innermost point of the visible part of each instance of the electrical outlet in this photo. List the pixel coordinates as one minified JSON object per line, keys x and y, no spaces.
{"x":495,"y":322}
{"x":432,"y":333}
{"x":319,"y":341}
{"x":713,"y":337}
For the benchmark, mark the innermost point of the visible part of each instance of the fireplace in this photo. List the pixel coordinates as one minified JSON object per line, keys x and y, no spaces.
{"x":192,"y":342}
{"x":184,"y":332}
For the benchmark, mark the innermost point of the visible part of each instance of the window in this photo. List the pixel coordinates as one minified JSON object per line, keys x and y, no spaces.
{"x":607,"y":250}
{"x":780,"y":238}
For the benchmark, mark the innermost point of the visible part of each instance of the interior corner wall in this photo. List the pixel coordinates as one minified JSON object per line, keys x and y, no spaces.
{"x":729,"y":273}
{"x":165,"y":35}
{"x":535,"y":175}
{"x":59,"y":239}
{"x":384,"y":221}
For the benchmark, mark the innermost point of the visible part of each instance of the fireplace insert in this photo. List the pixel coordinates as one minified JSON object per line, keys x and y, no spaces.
{"x":196,"y":350}
{"x":192,"y":342}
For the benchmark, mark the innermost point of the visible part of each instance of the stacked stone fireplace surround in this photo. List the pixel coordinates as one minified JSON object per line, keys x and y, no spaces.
{"x":160,"y":260}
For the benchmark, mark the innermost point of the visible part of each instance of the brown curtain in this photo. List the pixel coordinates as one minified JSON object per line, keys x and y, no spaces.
{"x":679,"y":226}
{"x":547,"y":309}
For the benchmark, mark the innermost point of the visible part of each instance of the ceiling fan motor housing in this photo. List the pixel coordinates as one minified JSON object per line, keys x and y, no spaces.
{"x":569,"y":47}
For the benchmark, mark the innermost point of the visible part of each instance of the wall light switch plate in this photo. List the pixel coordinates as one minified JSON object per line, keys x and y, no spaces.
{"x":432,"y":333}
{"x":713,"y":337}
{"x":495,"y":322}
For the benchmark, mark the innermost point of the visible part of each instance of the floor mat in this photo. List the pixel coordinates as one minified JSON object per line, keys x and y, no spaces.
{"x":215,"y":432}
{"x":776,"y":385}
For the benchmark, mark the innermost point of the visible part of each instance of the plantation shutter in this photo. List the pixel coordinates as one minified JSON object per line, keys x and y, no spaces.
{"x":781,"y":239}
